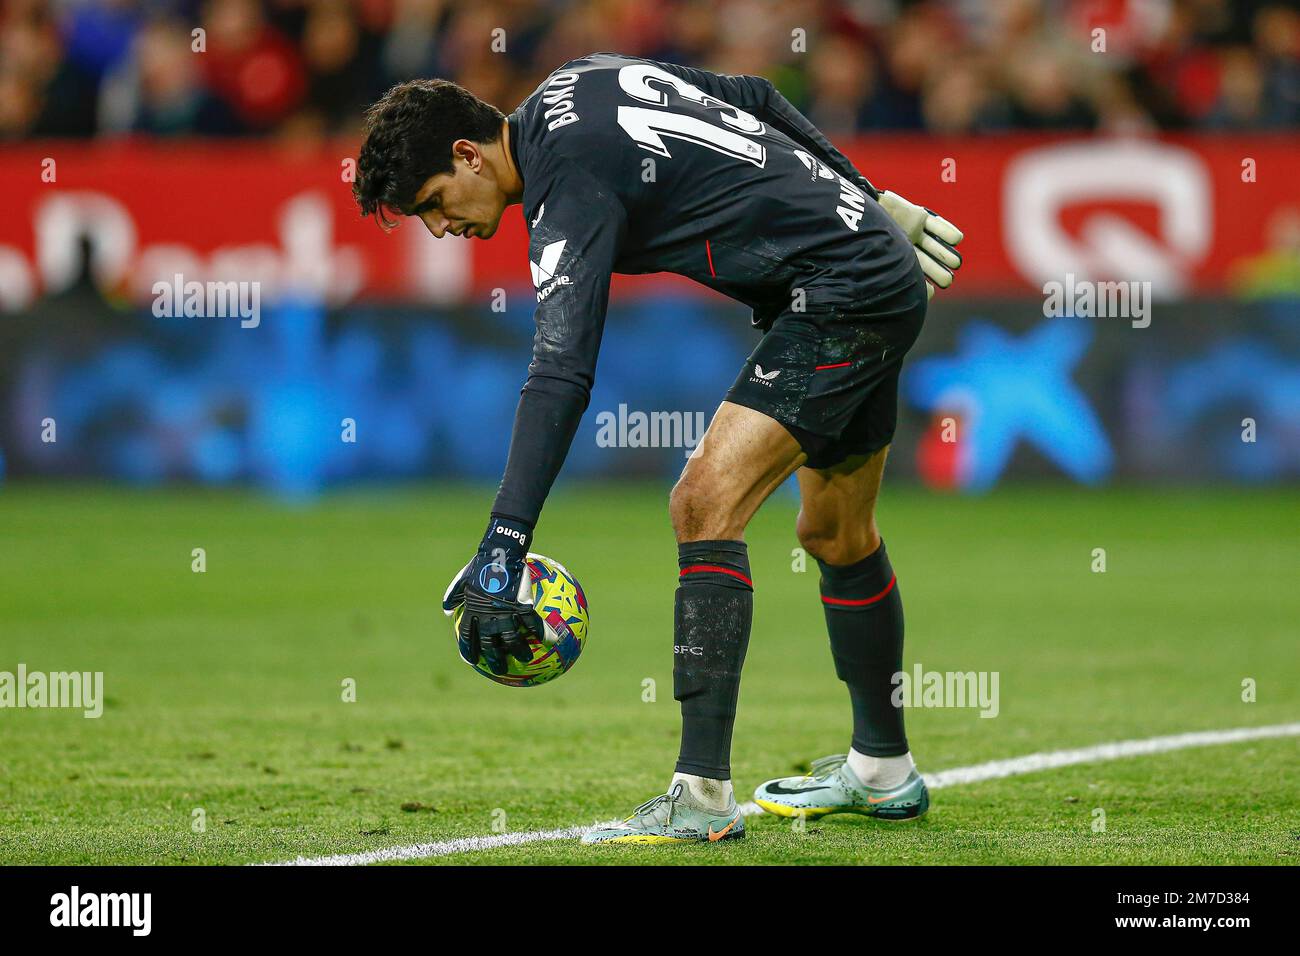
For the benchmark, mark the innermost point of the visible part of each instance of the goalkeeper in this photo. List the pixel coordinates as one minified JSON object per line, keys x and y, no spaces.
{"x":631,"y":166}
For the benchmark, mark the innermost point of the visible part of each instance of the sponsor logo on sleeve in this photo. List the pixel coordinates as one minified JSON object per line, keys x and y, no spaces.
{"x":544,"y":278}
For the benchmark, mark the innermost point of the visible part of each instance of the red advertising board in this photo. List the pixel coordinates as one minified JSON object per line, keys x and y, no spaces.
{"x":1187,"y":214}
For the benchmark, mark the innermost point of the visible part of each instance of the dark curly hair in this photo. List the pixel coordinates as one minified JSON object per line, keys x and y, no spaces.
{"x":409,"y":133}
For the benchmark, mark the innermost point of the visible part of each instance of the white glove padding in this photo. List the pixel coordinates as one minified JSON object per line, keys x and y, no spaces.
{"x":932,"y":235}
{"x":454,"y":596}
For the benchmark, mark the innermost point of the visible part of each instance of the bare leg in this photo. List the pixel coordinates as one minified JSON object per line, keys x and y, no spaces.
{"x":743,"y":458}
{"x":837,"y":514}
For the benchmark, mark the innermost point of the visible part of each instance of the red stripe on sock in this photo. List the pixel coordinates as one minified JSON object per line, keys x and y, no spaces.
{"x":696,"y":568}
{"x":837,"y":365}
{"x":842,"y":602}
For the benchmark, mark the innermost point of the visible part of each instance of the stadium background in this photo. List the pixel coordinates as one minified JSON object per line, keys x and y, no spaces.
{"x":127,"y":440}
{"x":130,"y":158}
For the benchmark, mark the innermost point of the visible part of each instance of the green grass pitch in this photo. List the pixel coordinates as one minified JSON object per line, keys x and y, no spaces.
{"x":224,"y":689}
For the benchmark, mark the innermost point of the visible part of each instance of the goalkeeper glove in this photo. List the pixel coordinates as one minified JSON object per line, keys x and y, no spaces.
{"x":931,"y":234}
{"x":498,"y":597}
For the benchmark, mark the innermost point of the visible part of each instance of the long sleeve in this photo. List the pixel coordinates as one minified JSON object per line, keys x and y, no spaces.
{"x":574,"y":244}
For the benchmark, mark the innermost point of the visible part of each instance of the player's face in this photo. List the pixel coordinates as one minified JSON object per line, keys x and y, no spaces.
{"x":462,"y":202}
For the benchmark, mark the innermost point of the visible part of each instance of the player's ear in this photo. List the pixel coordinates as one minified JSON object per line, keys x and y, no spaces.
{"x":469,"y":152}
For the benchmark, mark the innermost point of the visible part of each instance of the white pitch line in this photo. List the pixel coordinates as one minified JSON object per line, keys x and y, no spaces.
{"x":421,"y":851}
{"x":1031,"y":763}
{"x":993,"y":770}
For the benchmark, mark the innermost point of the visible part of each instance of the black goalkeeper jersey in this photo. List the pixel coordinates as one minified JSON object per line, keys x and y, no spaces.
{"x":634,"y":166}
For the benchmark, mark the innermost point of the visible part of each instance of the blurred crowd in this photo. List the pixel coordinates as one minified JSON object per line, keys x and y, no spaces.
{"x":307,"y":68}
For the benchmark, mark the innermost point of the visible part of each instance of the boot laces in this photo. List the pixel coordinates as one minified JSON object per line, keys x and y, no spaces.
{"x":665,"y":804}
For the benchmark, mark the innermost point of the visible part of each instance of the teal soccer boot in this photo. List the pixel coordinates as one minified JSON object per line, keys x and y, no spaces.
{"x":671,"y":818}
{"x":830,"y":786}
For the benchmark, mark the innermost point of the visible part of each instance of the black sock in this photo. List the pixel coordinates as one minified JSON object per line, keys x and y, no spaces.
{"x":864,"y":616}
{"x":713,"y":611}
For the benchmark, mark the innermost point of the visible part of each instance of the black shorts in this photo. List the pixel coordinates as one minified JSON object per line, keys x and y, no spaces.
{"x":831,"y":378}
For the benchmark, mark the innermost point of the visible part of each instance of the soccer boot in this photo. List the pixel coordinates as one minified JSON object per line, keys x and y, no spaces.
{"x":672,"y":817}
{"x":831,"y":786}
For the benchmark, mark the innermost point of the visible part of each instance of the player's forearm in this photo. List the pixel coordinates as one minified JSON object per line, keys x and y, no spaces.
{"x":545,"y":422}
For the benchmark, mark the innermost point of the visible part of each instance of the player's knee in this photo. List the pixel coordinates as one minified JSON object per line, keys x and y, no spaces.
{"x":839,"y":544}
{"x":699,"y":512}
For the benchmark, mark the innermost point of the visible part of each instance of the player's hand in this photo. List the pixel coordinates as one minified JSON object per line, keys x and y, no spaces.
{"x":497,"y":594}
{"x":933,"y":236}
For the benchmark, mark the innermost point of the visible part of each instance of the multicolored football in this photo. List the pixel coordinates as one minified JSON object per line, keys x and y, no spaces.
{"x":558,"y":600}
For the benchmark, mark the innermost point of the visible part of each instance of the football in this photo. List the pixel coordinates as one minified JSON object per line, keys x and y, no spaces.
{"x":559,"y":601}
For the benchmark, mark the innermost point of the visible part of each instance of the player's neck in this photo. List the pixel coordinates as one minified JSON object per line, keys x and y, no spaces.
{"x":512,"y":183}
